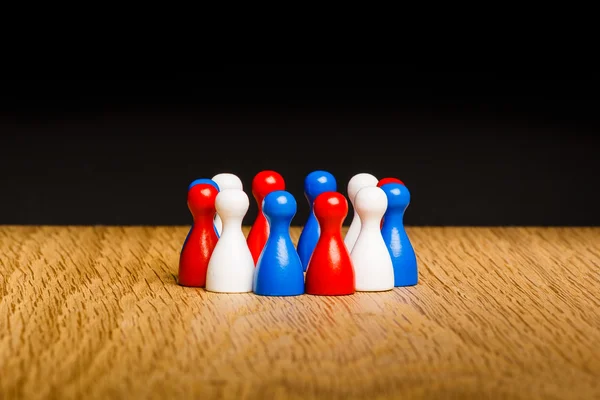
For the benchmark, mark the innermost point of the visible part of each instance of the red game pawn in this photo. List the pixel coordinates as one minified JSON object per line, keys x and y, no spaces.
{"x":263,"y":183}
{"x":201,"y":239}
{"x":385,"y":181}
{"x":330,"y":271}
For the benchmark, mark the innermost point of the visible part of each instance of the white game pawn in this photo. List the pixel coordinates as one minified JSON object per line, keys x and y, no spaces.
{"x":225,"y":181}
{"x":373,"y":267}
{"x":231,"y":266}
{"x":357,"y":182}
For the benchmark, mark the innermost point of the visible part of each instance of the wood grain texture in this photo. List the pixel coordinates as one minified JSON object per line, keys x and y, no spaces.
{"x":95,"y":313}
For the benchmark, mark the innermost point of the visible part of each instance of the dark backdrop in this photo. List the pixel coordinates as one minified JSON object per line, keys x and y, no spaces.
{"x":475,"y":147}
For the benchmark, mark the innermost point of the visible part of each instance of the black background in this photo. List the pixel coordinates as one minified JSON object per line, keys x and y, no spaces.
{"x":475,"y":146}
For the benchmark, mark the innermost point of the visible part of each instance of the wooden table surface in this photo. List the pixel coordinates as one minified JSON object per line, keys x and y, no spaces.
{"x":95,"y":313}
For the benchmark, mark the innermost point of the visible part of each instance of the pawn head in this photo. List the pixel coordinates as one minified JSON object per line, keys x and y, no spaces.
{"x":201,"y":199}
{"x":331,"y":206}
{"x":266,"y":182}
{"x":228,"y":181}
{"x":370,"y":203}
{"x":232,"y":203}
{"x":318,"y":182}
{"x":358,"y":182}
{"x":203,"y":181}
{"x":385,"y":181}
{"x":398,"y":196}
{"x":279,"y":204}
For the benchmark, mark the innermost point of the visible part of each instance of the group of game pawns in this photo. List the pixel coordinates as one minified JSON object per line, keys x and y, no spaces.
{"x":375,"y":254}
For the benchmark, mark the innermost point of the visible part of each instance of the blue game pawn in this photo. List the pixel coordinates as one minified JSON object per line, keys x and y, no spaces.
{"x":315,"y":183}
{"x":395,"y":237}
{"x":279,"y":269}
{"x":203,"y":181}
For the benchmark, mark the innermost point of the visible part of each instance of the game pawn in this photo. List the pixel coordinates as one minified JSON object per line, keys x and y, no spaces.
{"x":394,"y":235}
{"x":356,"y":183}
{"x":209,"y":182}
{"x":315,"y":183}
{"x":201,"y":239}
{"x":204,"y":181}
{"x":279,"y":270}
{"x":330,"y":271}
{"x":373,"y":266}
{"x":385,"y":181}
{"x":263,"y":183}
{"x":231,"y":268}
{"x":225,"y":181}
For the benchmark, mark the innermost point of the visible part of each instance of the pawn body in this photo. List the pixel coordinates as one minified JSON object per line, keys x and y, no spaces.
{"x":225,"y":181}
{"x":202,"y":239}
{"x":372,"y":263}
{"x":394,"y":235}
{"x":385,"y":181}
{"x":209,"y":182}
{"x":231,"y":267}
{"x":204,"y":181}
{"x":315,"y":183}
{"x":263,"y":183}
{"x":356,"y":183}
{"x":330,"y":271}
{"x":279,"y":270}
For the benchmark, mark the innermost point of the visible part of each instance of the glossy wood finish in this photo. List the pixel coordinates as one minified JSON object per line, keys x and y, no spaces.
{"x":96,"y":313}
